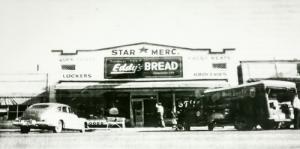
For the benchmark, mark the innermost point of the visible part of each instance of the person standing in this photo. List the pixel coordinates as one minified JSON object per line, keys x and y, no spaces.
{"x":189,"y":114}
{"x":160,"y":114}
{"x":180,"y":115}
{"x":296,"y":106}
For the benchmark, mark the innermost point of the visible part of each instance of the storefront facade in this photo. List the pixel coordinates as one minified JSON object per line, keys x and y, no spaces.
{"x":18,"y":91}
{"x":134,"y":77}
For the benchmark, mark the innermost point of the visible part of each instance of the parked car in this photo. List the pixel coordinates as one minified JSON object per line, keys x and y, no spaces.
{"x":51,"y":116}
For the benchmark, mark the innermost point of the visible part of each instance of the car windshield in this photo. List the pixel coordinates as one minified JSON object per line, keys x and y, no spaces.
{"x":281,"y":94}
{"x":40,"y":106}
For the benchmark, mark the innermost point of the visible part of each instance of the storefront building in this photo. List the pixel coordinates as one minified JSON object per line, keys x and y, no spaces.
{"x":18,"y":91}
{"x":287,"y":70}
{"x":134,"y":77}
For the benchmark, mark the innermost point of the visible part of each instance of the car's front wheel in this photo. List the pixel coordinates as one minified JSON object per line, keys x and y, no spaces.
{"x":25,"y":129}
{"x":59,"y":127}
{"x":82,"y":130}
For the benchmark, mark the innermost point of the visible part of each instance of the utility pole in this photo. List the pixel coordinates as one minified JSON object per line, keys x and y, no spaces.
{"x":37,"y":67}
{"x":276,"y":70}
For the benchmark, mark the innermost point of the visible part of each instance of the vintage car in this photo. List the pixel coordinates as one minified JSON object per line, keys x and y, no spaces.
{"x":51,"y":116}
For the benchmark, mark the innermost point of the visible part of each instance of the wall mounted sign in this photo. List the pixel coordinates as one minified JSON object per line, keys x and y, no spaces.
{"x":144,"y":50}
{"x":142,"y":67}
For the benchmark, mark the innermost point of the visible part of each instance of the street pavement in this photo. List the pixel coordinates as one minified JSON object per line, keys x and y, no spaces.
{"x":153,"y":138}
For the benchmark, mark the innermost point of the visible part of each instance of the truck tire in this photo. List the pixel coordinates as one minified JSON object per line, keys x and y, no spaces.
{"x":243,"y":123}
{"x":211,"y":126}
{"x":25,"y":129}
{"x":268,"y":125}
{"x":187,"y":127}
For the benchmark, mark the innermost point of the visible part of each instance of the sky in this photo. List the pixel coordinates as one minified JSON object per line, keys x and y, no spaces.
{"x":257,"y":29}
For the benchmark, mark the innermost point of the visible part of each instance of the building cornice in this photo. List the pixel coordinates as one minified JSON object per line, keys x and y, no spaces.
{"x":146,"y":43}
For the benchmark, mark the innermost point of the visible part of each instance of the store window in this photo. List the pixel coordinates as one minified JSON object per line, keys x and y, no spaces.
{"x":219,"y":65}
{"x":298,"y":69}
{"x":184,"y":97}
{"x":68,"y":67}
{"x":118,"y":100}
{"x":11,"y":112}
{"x":166,"y":99}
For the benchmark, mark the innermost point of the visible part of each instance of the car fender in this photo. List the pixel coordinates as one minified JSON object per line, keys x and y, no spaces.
{"x":53,"y":118}
{"x":81,"y":123}
{"x":83,"y":120}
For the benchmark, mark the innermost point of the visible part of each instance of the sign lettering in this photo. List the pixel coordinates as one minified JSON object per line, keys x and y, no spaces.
{"x":73,"y":76}
{"x":140,"y":67}
{"x":143,"y":50}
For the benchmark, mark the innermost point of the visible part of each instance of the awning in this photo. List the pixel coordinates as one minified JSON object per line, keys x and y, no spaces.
{"x":22,"y":89}
{"x":8,"y":101}
{"x":142,"y":85}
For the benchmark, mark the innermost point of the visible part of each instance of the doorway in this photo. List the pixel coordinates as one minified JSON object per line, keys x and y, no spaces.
{"x":138,"y":112}
{"x":143,"y":111}
{"x":150,"y":113}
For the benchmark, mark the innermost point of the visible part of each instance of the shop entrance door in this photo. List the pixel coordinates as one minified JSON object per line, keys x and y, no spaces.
{"x":138,"y":112}
{"x":144,"y":110}
{"x":150,"y":113}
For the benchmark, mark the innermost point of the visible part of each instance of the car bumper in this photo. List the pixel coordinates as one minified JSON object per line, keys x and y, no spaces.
{"x":32,"y":124}
{"x":282,"y":117}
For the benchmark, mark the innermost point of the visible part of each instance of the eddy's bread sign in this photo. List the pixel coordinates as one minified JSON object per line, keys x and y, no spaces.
{"x":142,"y":67}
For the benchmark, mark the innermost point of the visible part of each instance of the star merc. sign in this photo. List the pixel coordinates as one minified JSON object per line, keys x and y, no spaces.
{"x":143,"y":50}
{"x":140,"y":67}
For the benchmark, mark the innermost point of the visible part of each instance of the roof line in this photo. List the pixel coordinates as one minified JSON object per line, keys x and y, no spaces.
{"x":265,"y":82}
{"x":154,"y":44}
{"x":126,"y":81}
{"x":258,"y":61}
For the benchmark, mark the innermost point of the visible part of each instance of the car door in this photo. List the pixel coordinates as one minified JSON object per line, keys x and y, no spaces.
{"x":66,"y":118}
{"x":60,"y":114}
{"x":73,"y":119}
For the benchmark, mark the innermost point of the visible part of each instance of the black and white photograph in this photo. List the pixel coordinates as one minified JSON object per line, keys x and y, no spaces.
{"x":156,"y":74}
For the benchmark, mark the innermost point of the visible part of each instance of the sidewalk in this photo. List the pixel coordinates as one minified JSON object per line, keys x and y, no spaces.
{"x":7,"y":126}
{"x":156,"y":129}
{"x":130,"y":129}
{"x":140,"y":129}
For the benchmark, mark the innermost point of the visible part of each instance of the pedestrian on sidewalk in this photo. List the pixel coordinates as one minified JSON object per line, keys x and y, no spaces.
{"x":180,"y":115}
{"x":296,"y":106}
{"x":160,"y":114}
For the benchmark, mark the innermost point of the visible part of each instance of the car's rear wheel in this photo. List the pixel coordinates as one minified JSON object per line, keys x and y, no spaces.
{"x":25,"y":129}
{"x":59,"y":127}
